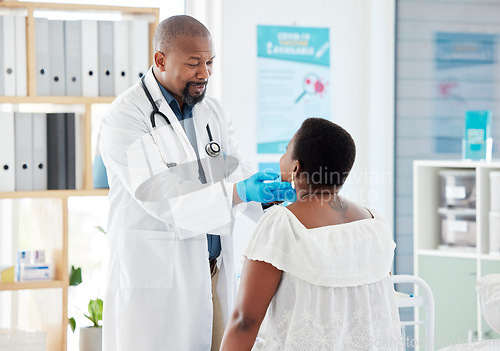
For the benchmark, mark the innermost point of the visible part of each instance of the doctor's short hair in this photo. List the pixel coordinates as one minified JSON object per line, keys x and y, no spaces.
{"x":325,"y":151}
{"x":170,"y":28}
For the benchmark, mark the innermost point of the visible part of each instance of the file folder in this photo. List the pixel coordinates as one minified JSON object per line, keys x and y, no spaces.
{"x":73,"y":57}
{"x":56,"y":151}
{"x":70,"y":151}
{"x":121,"y":57}
{"x":39,"y":151}
{"x":42,"y":56}
{"x":2,"y":92}
{"x":7,"y":165}
{"x":106,"y":69}
{"x":56,"y":56}
{"x":23,"y":126}
{"x":22,"y":68}
{"x":9,"y":55}
{"x":139,"y":49}
{"x":79,"y":151}
{"x":90,"y":79}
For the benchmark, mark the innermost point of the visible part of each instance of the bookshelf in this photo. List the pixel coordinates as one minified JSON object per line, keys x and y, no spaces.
{"x":452,"y":274}
{"x":55,"y":326}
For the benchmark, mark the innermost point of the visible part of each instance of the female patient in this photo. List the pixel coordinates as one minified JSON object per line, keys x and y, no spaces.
{"x":319,"y":267}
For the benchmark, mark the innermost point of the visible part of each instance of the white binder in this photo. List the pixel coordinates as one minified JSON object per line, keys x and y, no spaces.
{"x":23,"y":127}
{"x":21,"y":72}
{"x":9,"y":55}
{"x":56,"y":56}
{"x":139,"y":49}
{"x":73,"y":57}
{"x":90,"y":77}
{"x":42,"y":56}
{"x":2,"y":93}
{"x":39,"y":151}
{"x":106,"y":69}
{"x":121,"y":56}
{"x":7,"y":166}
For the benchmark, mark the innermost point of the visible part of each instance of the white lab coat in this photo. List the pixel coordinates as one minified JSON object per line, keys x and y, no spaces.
{"x":159,"y":288}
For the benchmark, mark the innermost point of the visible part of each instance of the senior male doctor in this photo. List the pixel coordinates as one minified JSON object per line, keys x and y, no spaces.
{"x":175,"y":179}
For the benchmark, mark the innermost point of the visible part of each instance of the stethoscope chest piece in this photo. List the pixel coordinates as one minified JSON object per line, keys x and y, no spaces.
{"x":212,"y":149}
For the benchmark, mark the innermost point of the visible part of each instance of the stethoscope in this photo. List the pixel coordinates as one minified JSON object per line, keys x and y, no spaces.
{"x":212,"y":148}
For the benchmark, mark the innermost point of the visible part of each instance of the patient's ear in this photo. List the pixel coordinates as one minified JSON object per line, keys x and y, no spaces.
{"x":297,"y":167}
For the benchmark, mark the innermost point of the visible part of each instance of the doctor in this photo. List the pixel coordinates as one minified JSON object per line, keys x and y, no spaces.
{"x":175,"y":179}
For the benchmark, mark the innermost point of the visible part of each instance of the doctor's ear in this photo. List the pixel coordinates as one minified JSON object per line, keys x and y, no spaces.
{"x":159,"y":59}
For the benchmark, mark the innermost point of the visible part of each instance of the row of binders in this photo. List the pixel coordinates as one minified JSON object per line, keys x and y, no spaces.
{"x":73,"y":58}
{"x":89,"y":58}
{"x":13,"y":70}
{"x":41,"y":151}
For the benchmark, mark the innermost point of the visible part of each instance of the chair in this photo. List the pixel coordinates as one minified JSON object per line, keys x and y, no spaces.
{"x":488,"y":291}
{"x":424,"y":299}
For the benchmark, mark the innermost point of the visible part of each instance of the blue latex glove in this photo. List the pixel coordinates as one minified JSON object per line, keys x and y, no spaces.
{"x":256,"y":189}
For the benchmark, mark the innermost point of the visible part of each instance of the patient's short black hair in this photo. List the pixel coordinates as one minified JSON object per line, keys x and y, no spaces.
{"x":325,"y":151}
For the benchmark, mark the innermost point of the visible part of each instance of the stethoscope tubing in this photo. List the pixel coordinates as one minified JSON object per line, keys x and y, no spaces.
{"x":212,"y":148}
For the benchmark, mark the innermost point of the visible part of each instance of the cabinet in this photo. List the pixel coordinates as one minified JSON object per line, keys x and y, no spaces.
{"x":452,"y":274}
{"x":49,"y":299}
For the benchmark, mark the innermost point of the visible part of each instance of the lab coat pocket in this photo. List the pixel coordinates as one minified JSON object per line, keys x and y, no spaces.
{"x":147,"y":259}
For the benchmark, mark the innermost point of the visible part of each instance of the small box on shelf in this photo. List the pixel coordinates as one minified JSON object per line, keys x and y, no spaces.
{"x":494,"y":233}
{"x":458,"y":188}
{"x":458,"y":227}
{"x":31,"y":266}
{"x":7,"y":274}
{"x":495,"y":192}
{"x":18,"y":340}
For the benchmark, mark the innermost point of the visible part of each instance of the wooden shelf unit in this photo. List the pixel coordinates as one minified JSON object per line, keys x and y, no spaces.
{"x":32,"y":285}
{"x":57,"y":335}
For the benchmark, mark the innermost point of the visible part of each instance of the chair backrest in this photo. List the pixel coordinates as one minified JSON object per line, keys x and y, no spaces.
{"x":424,"y":299}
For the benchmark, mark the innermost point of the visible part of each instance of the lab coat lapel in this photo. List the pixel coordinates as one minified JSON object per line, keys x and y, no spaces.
{"x":160,"y":101}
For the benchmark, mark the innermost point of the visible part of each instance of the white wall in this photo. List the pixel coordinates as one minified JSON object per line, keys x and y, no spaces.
{"x":362,"y":79}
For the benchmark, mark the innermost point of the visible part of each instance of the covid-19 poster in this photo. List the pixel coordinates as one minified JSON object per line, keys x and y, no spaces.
{"x":293,"y":73}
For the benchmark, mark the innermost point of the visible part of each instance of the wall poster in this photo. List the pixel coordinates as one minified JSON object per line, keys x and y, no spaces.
{"x":293,"y":73}
{"x":466,"y":79}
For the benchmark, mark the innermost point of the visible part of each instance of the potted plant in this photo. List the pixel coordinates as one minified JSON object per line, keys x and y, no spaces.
{"x":90,"y":336}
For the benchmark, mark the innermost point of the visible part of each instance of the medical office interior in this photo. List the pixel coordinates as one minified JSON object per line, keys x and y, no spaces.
{"x":415,"y":82}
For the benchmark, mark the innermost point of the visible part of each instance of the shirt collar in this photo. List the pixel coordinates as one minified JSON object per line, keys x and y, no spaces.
{"x":174,"y":105}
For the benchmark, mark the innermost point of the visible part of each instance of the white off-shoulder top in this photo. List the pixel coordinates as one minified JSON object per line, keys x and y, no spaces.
{"x":335,"y":292}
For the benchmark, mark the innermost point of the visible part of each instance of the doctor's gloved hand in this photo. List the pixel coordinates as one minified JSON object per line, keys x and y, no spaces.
{"x":257,"y":189}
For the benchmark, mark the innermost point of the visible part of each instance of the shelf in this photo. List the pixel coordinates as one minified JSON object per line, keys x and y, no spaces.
{"x":63,"y":100}
{"x":78,"y":7}
{"x":451,"y":253}
{"x":458,"y":163}
{"x":52,"y":193}
{"x":32,"y":285}
{"x":490,"y":257}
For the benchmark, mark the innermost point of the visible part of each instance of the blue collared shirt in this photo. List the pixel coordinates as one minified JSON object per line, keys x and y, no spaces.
{"x":186,"y":119}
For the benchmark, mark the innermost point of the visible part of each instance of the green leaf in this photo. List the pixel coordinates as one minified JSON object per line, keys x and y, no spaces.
{"x":72,"y":324}
{"x":75,"y":276}
{"x":100,"y":229}
{"x":95,"y":311}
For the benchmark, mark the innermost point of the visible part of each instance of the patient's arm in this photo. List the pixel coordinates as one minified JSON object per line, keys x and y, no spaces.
{"x":259,"y":281}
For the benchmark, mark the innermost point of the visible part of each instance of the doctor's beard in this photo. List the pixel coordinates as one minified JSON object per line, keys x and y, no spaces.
{"x":192,"y":100}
